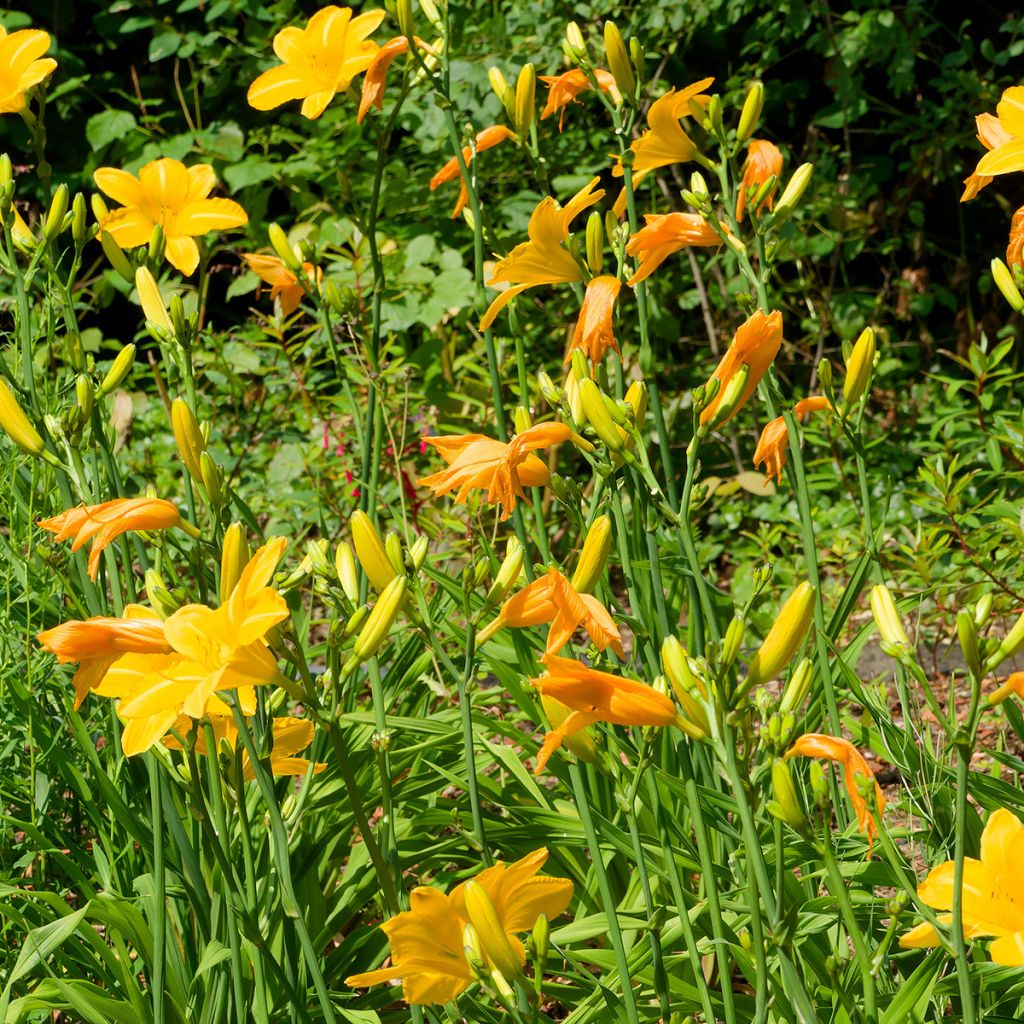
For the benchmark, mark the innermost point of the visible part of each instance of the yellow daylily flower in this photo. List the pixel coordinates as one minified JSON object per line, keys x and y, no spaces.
{"x":1003,"y":136}
{"x":22,"y":65}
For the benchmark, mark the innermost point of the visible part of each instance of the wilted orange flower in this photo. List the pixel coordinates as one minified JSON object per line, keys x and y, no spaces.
{"x":172,"y":195}
{"x":664,"y":234}
{"x":428,"y":951}
{"x":593,"y":333}
{"x":485,"y":139}
{"x":105,"y":522}
{"x":476,"y":461}
{"x":373,"y":82}
{"x":773,"y":444}
{"x":283,"y":283}
{"x":543,"y":259}
{"x":319,"y":61}
{"x":22,"y":65}
{"x":1003,"y":137}
{"x":552,"y":598}
{"x":563,"y":90}
{"x":763,"y":160}
{"x":665,"y":142}
{"x":1015,"y":247}
{"x":291,"y":735}
{"x":98,"y":642}
{"x":595,"y":696}
{"x":755,"y":344}
{"x":833,"y":748}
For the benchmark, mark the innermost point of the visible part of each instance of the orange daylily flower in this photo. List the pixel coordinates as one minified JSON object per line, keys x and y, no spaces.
{"x":428,"y":951}
{"x":544,"y":258}
{"x":774,"y":441}
{"x":172,"y":195}
{"x":1013,"y":684}
{"x":283,"y":283}
{"x":98,"y":642}
{"x":664,"y":234}
{"x":105,"y":522}
{"x":992,"y":890}
{"x":291,"y":736}
{"x":22,"y":66}
{"x":563,"y":90}
{"x":593,"y":333}
{"x":486,"y":139}
{"x":319,"y":61}
{"x":552,"y":598}
{"x":376,"y":74}
{"x":834,"y":748}
{"x":1015,"y":246}
{"x":763,"y":160}
{"x":665,"y":142}
{"x":476,"y":461}
{"x":1003,"y":136}
{"x":756,"y":343}
{"x":594,"y":696}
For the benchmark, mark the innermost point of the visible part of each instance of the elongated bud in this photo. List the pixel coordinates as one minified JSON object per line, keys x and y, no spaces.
{"x":733,"y":640}
{"x":713,"y":112}
{"x":580,"y":743}
{"x":572,"y":390}
{"x":796,"y":689}
{"x":887,"y":617}
{"x":983,"y":609}
{"x":967,"y":633}
{"x":1005,"y":283}
{"x":522,"y":419}
{"x":598,"y":415}
{"x":79,"y":221}
{"x":418,"y":552}
{"x":17,"y":426}
{"x":550,"y":391}
{"x":541,"y":938}
{"x":526,"y":93}
{"x":508,"y":573}
{"x":6,"y":171}
{"x":157,"y":245}
{"x":99,"y":207}
{"x":484,"y":918}
{"x":431,"y":13}
{"x":786,"y":806}
{"x":639,"y":58}
{"x":234,"y":557}
{"x":575,"y":46}
{"x":676,"y":663}
{"x":595,"y":242}
{"x":404,"y":17}
{"x":116,"y":257}
{"x":504,"y":91}
{"x":793,"y":192}
{"x":474,"y":953}
{"x":766,"y":188}
{"x":212,"y":477}
{"x":281,"y":245}
{"x":594,"y":555}
{"x":380,"y":620}
{"x":152,"y":303}
{"x":732,"y":397}
{"x":751,"y":112}
{"x":58,"y":210}
{"x":370,"y":551}
{"x":119,"y":370}
{"x":160,"y":597}
{"x":345,"y":566}
{"x":356,"y":620}
{"x":84,"y":394}
{"x":784,"y":638}
{"x":1010,"y":645}
{"x":393,"y":549}
{"x":188,"y":437}
{"x":859,"y":368}
{"x":698,"y":186}
{"x":618,"y":59}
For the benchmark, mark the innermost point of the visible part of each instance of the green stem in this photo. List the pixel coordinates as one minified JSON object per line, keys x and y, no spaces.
{"x":159,"y":895}
{"x":963,"y":976}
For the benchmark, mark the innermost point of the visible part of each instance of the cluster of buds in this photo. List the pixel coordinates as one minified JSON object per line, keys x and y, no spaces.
{"x":192,"y":439}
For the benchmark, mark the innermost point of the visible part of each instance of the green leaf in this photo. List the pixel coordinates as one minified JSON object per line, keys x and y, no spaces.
{"x":164,"y":44}
{"x":103,"y":128}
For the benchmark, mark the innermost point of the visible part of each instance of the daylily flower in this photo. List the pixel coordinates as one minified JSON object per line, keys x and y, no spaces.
{"x":172,"y":195}
{"x":763,"y":160}
{"x":543,"y":259}
{"x":428,"y":950}
{"x":773,"y":446}
{"x":291,"y":735}
{"x":594,"y":696}
{"x":593,"y":333}
{"x":319,"y":61}
{"x":98,"y":642}
{"x":664,"y":234}
{"x":1003,"y":137}
{"x":1014,"y":684}
{"x":486,"y":139}
{"x":665,"y":142}
{"x":283,"y":283}
{"x":834,"y":748}
{"x":1015,"y":247}
{"x":993,"y":893}
{"x":563,"y":90}
{"x":377,"y":72}
{"x":552,"y":598}
{"x":22,"y":66}
{"x":106,"y":522}
{"x":755,"y":344}
{"x":477,"y":461}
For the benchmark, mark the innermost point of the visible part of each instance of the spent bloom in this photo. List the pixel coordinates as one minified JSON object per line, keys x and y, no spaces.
{"x":593,"y":332}
{"x":377,"y":72}
{"x":664,"y":234}
{"x":22,"y":66}
{"x":563,"y":90}
{"x":992,"y":893}
{"x":106,"y":522}
{"x":1002,"y":135}
{"x":428,"y":944}
{"x":543,"y":259}
{"x":318,"y":61}
{"x":773,"y":444}
{"x":763,"y":161}
{"x":486,"y":139}
{"x":176,"y":197}
{"x":502,"y":469}
{"x":283,"y":283}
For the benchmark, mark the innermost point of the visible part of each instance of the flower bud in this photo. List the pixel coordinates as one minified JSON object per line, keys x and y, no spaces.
{"x":58,"y":209}
{"x":379,"y":622}
{"x":345,"y":566}
{"x":79,"y":222}
{"x":983,"y":609}
{"x":163,"y":601}
{"x":887,"y":617}
{"x":572,"y":390}
{"x":550,"y":391}
{"x":1010,"y":645}
{"x":508,"y":573}
{"x":116,"y":257}
{"x":188,"y":437}
{"x":152,"y":304}
{"x":521,"y":419}
{"x":859,"y":368}
{"x":598,"y":415}
{"x":784,"y":638}
{"x":967,"y":633}
{"x":618,"y":59}
{"x":575,"y":46}
{"x":526,"y":93}
{"x":212,"y":477}
{"x":119,"y":370}
{"x":786,"y":805}
{"x":698,"y":186}
{"x":356,"y":620}
{"x":751,"y":112}
{"x":6,"y":171}
{"x":713,"y":112}
{"x":593,"y":556}
{"x":393,"y":549}
{"x":493,"y":939}
{"x":179,"y":322}
{"x":283,"y":248}
{"x":794,"y":191}
{"x":404,"y":17}
{"x":418,"y":552}
{"x":16,"y":424}
{"x":1005,"y":283}
{"x":638,"y":57}
{"x":474,"y":952}
{"x":595,"y":242}
{"x":541,"y":938}
{"x":733,"y":640}
{"x":676,"y":663}
{"x":84,"y":395}
{"x":732,"y":397}
{"x":580,"y":743}
{"x":157,"y":245}
{"x":234,"y":557}
{"x":796,"y":689}
{"x":370,"y":551}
